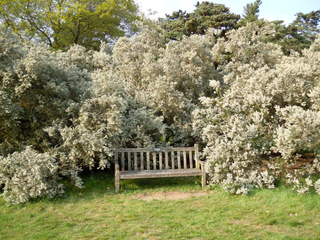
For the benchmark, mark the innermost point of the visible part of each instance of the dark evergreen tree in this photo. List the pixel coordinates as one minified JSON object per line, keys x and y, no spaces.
{"x":300,"y":34}
{"x":251,"y":13}
{"x":206,"y":15}
{"x":308,"y":25}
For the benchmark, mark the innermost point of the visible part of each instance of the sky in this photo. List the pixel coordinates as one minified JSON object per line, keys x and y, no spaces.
{"x":269,"y":9}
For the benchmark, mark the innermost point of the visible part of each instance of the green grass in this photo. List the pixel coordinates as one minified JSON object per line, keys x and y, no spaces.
{"x":97,"y":212}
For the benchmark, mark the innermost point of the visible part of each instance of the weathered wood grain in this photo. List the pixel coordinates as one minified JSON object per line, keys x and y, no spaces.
{"x":141,"y":161}
{"x":185,"y":159}
{"x":160,"y":173}
{"x":135,"y":159}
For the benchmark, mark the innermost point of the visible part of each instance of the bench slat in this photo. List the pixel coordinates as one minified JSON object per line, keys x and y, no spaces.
{"x":179,"y":162}
{"x":185,"y":159}
{"x":166,"y":160}
{"x":172,"y":160}
{"x":160,"y":160}
{"x":168,"y":149}
{"x":135,"y":161}
{"x":154,"y":161}
{"x":148,"y":160}
{"x":190,"y":159}
{"x":122,"y":161}
{"x":141,"y":161}
{"x":129,"y":161}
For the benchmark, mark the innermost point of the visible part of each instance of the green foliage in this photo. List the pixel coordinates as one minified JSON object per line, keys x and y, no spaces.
{"x":308,"y":25}
{"x":295,"y":37}
{"x":61,"y":24}
{"x":251,"y":13}
{"x":206,"y":15}
{"x":299,"y":35}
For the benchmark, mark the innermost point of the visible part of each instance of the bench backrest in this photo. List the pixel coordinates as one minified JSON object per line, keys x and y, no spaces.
{"x":134,"y":159}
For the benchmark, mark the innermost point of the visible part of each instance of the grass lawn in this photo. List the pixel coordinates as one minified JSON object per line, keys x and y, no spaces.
{"x":97,"y":212}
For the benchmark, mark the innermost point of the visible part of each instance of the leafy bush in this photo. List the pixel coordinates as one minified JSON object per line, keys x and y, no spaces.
{"x":29,"y":174}
{"x":70,"y":103}
{"x":267,"y":106}
{"x":167,"y":77}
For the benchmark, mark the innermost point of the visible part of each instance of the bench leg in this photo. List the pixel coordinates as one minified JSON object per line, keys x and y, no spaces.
{"x":204,"y":177}
{"x":117,"y":179}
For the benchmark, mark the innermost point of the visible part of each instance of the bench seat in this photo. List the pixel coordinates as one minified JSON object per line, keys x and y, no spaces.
{"x":160,"y":173}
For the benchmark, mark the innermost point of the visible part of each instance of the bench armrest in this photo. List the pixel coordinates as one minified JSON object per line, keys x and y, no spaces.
{"x":198,"y":161}
{"x":201,"y":162}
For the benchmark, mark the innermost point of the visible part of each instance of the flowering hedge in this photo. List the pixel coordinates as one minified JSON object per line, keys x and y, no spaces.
{"x":267,"y":114}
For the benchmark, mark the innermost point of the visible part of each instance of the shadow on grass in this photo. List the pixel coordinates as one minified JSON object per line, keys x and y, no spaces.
{"x":101,"y":183}
{"x":159,"y":184}
{"x":93,"y":182}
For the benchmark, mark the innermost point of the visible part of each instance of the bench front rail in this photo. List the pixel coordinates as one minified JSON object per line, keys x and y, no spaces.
{"x":134,"y":163}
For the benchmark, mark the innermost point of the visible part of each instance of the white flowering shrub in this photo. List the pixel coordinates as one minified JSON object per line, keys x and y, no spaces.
{"x":300,"y":131}
{"x":9,"y":111}
{"x":127,"y":122}
{"x":267,"y":106}
{"x":167,"y":77}
{"x":38,"y":90}
{"x":109,"y":118}
{"x":28,"y":174}
{"x":142,"y":128}
{"x":72,"y":103}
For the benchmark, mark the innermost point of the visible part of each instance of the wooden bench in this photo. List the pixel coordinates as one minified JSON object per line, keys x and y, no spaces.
{"x":135,"y":163}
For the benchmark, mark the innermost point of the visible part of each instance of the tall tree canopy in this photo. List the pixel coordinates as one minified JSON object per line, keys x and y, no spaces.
{"x":300,"y":34}
{"x":308,"y":25}
{"x":206,"y":15}
{"x":62,"y":23}
{"x":251,"y":12}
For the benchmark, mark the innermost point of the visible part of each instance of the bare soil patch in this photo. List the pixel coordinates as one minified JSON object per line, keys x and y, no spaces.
{"x":170,"y":195}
